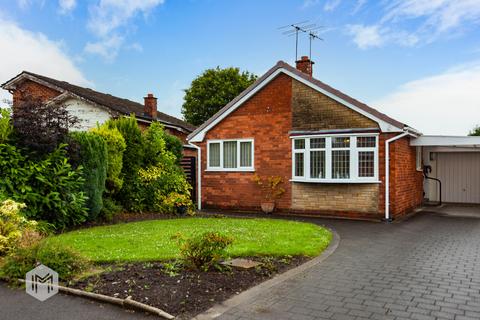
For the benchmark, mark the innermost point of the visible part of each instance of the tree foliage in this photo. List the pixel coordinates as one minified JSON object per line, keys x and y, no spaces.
{"x":42,"y":127}
{"x":93,"y":159}
{"x":475,"y":131}
{"x":6,"y":127}
{"x":212,"y":90}
{"x":115,"y":149}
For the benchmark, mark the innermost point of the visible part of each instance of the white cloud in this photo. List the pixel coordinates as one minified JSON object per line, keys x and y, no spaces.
{"x":409,"y":22}
{"x":108,"y":17}
{"x":358,"y":6}
{"x":366,"y":36}
{"x":25,"y":50}
{"x":447,"y":103}
{"x":66,"y":6}
{"x":107,"y":47}
{"x":331,"y":5}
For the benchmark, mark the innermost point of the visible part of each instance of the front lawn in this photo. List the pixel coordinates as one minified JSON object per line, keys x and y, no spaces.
{"x":151,"y":240}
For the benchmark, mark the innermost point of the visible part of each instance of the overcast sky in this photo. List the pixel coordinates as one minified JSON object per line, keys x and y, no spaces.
{"x":416,"y":60}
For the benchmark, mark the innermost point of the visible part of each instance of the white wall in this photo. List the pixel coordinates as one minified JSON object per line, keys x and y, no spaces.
{"x":88,"y":114}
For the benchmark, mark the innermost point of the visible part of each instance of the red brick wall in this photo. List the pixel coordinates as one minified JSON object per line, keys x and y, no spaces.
{"x":32,"y":89}
{"x":406,"y":183}
{"x":265,"y":117}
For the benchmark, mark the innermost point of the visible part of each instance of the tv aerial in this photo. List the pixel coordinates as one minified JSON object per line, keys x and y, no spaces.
{"x":306,"y":27}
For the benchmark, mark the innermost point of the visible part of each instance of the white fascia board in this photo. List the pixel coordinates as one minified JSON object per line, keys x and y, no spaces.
{"x":384,"y":126}
{"x":433,"y":141}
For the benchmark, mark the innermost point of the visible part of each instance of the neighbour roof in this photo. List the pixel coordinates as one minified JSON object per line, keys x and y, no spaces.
{"x":319,"y":85}
{"x":123,"y":106}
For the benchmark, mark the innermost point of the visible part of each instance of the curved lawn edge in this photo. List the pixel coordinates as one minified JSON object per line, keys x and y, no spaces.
{"x":151,"y":240}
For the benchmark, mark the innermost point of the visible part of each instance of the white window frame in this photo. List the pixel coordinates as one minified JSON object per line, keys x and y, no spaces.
{"x":354,"y":150}
{"x":238,"y":168}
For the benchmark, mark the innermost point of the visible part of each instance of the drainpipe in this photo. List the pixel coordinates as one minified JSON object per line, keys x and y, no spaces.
{"x":387,"y":174}
{"x":199,"y":175}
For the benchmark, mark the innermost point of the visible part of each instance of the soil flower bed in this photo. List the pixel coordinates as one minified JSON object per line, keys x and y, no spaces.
{"x":183,"y":293}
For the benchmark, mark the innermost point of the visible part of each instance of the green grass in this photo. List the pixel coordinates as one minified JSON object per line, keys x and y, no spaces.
{"x":151,"y":240}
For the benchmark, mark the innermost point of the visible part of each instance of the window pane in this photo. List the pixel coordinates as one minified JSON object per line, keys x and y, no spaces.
{"x":340,"y":142}
{"x":341,"y":164}
{"x":317,"y":143}
{"x":366,"y":142}
{"x":317,"y":164}
{"x":214,"y":156}
{"x":299,"y":164}
{"x":366,"y":164}
{"x":299,"y":143}
{"x":245,"y":154}
{"x":230,"y":154}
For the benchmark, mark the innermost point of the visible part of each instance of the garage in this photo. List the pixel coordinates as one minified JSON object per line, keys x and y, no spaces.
{"x":459,"y":173}
{"x":453,"y":162}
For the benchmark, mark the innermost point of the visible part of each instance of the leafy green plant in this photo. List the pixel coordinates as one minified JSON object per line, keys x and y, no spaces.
{"x":12,"y":225}
{"x":6,"y":127}
{"x":203,"y":251}
{"x":50,"y":187}
{"x":93,"y":159}
{"x":115,"y":148}
{"x":212,"y":90}
{"x":64,"y":260}
{"x":110,"y":209}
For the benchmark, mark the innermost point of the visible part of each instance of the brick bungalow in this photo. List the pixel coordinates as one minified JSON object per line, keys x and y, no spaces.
{"x":329,"y":148}
{"x":91,"y":106}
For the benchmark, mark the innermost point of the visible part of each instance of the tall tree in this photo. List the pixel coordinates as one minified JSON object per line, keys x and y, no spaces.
{"x":212,"y":90}
{"x":475,"y":131}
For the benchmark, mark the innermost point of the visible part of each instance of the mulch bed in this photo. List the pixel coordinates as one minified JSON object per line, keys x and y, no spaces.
{"x":186,"y":293}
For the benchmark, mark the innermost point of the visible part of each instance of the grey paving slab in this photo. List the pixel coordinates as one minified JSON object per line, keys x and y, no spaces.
{"x":427,"y":267}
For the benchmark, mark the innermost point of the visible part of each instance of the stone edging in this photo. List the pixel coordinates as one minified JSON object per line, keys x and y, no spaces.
{"x":265,"y":287}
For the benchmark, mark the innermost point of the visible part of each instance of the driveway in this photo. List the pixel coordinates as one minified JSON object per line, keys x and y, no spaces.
{"x":427,"y":267}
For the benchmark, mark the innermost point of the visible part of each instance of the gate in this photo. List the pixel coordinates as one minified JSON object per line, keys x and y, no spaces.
{"x":189,"y":167}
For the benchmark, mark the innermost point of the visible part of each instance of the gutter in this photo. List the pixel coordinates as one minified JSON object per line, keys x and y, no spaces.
{"x":199,"y":174}
{"x":387,"y":172}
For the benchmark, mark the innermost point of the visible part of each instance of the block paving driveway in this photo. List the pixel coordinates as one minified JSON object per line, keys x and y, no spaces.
{"x":427,"y":267}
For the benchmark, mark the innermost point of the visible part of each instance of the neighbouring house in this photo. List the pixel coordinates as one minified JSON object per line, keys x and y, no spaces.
{"x":93,"y":107}
{"x":337,"y":156}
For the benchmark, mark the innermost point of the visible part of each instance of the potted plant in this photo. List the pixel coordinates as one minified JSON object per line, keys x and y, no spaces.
{"x":271,"y":190}
{"x":180,"y":203}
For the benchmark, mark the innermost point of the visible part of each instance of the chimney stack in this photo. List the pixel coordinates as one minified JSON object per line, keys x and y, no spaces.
{"x":305,"y":65}
{"x":150,"y":106}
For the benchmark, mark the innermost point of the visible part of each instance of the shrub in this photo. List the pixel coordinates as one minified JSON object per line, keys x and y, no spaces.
{"x":203,"y":251}
{"x":12,"y":225}
{"x":93,"y":159}
{"x":133,"y":157}
{"x":270,"y":186}
{"x":41,"y":127}
{"x":110,"y":209}
{"x":174,"y":145}
{"x":60,"y":258}
{"x":115,"y":149}
{"x":50,"y":187}
{"x":6,"y":127}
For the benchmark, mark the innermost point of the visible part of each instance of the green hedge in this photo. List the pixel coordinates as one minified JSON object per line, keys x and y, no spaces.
{"x":93,"y":159}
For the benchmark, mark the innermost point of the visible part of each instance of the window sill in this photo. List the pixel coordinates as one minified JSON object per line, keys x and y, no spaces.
{"x":344,"y":181}
{"x":229,"y":170}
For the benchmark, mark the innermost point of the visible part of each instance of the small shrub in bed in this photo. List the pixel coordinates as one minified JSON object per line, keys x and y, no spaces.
{"x":204,"y":251}
{"x":62,"y":259}
{"x":12,"y":225}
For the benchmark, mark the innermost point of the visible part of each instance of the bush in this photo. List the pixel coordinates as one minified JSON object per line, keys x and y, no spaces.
{"x":60,"y":258}
{"x":12,"y":225}
{"x":115,"y":149}
{"x":41,"y":127}
{"x":110,"y":209}
{"x":51,"y":189}
{"x":130,"y":194}
{"x":174,"y":145}
{"x":204,"y":251}
{"x":93,"y":159}
{"x":6,"y":127}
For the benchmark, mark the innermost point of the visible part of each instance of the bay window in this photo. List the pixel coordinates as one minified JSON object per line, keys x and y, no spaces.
{"x":338,"y":158}
{"x":230,"y":155}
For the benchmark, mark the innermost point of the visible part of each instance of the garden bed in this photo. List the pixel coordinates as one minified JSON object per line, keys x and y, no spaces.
{"x":184,"y":294}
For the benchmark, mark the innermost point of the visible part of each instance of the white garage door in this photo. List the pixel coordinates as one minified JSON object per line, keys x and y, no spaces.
{"x":460,"y":176}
